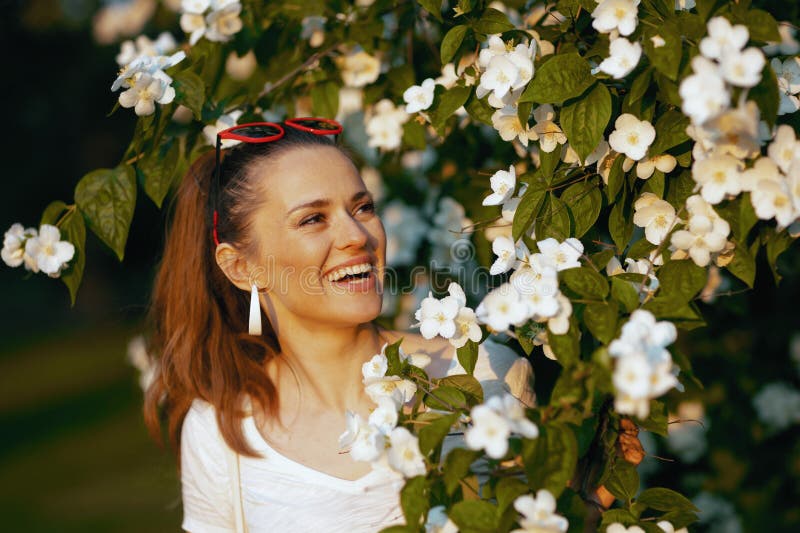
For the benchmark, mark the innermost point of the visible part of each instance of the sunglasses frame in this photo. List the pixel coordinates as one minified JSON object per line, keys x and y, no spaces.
{"x":230,"y":133}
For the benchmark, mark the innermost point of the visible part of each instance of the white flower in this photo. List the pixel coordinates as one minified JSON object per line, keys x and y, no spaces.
{"x":50,"y":253}
{"x":666,"y":163}
{"x":145,"y":92}
{"x":763,"y":169}
{"x":616,"y":527}
{"x":224,"y":21}
{"x":467,"y":328}
{"x":224,"y":122}
{"x":722,"y":37}
{"x":368,"y":445}
{"x":313,"y":30}
{"x":735,"y":131}
{"x":398,"y":389}
{"x":13,"y":253}
{"x":788,"y":73}
{"x":772,"y":199}
{"x":743,"y":69}
{"x":448,"y":222}
{"x":562,"y":255}
{"x":655,"y":215}
{"x":624,"y":57}
{"x":121,"y":19}
{"x":358,"y":68}
{"x":632,"y":376}
{"x":241,"y":68}
{"x":702,"y":237}
{"x":438,"y":521}
{"x":437,"y":317}
{"x":547,"y":131}
{"x":501,"y":308}
{"x":142,"y":361}
{"x":419,"y":97}
{"x":539,"y":513}
{"x":778,"y":406}
{"x":506,"y":122}
{"x":502,"y":183}
{"x":788,"y":45}
{"x":704,"y":93}
{"x":510,"y":408}
{"x":489,"y":431}
{"x":559,"y":324}
{"x":632,"y":136}
{"x":449,"y":76}
{"x":784,"y":148}
{"x":353,"y":425}
{"x":384,"y":417}
{"x":668,"y":527}
{"x":130,"y":50}
{"x":375,"y":368}
{"x":719,"y":176}
{"x":404,"y":455}
{"x":620,"y":15}
{"x":506,"y":253}
{"x":384,"y":125}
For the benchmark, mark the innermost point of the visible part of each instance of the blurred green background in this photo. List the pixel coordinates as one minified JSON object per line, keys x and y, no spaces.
{"x":74,"y":453}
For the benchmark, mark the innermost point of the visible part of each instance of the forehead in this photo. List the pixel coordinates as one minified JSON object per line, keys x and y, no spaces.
{"x":305,"y":174}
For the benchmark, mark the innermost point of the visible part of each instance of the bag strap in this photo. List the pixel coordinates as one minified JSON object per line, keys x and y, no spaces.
{"x":236,"y":490}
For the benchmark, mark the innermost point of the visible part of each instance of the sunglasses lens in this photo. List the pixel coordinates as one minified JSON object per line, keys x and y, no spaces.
{"x":257,"y":132}
{"x":317,"y":124}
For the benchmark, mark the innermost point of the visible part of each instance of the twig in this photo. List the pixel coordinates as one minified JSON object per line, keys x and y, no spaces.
{"x":268,"y":87}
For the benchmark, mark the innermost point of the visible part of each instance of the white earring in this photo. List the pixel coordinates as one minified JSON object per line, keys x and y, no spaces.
{"x":255,"y":311}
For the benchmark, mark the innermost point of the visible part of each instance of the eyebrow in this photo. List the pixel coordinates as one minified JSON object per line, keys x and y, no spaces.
{"x":324,"y":202}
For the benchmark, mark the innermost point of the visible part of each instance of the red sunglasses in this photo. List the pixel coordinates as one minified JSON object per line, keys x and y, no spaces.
{"x":264,"y":132}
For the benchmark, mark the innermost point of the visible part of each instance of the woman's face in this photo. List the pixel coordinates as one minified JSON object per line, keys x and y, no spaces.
{"x":319,"y":239}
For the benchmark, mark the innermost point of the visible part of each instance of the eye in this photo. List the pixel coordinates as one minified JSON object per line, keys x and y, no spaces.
{"x":313,"y":219}
{"x":368,"y":207}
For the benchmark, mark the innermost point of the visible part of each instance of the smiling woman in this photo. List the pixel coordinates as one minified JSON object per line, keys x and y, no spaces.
{"x":256,"y":412}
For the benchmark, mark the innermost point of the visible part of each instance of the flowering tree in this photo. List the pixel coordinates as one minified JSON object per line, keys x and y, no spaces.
{"x":630,"y":145}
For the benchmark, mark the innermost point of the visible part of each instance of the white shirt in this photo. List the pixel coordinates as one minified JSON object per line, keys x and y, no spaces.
{"x":282,"y":495}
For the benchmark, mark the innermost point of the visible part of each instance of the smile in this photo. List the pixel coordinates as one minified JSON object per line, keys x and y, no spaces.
{"x":351,"y":273}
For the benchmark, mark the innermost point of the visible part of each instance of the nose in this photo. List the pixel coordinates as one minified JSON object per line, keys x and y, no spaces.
{"x":351,"y":233}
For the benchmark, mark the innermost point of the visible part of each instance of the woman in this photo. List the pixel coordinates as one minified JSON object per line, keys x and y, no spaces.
{"x":288,"y":226}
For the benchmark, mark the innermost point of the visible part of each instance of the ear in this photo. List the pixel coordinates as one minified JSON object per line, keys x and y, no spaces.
{"x":234,"y":265}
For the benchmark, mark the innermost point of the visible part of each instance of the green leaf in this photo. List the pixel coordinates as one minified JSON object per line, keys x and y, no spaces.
{"x":670,"y":132}
{"x":551,"y":458}
{"x":654,"y":184}
{"x":674,"y":309}
{"x":434,"y":7}
{"x":325,"y":99}
{"x":468,"y":385}
{"x":623,"y":292}
{"x":762,"y":26}
{"x":52,"y":212}
{"x":566,"y":348}
{"x":468,"y":356}
{"x":394,"y":365}
{"x":584,"y":202}
{"x":679,"y":519}
{"x":656,"y":421}
{"x":639,"y":86}
{"x":616,"y":178}
{"x":743,"y":265}
{"x":585,"y":119}
{"x":562,"y":77}
{"x":767,"y":95}
{"x":662,"y":499}
{"x":601,"y":319}
{"x":493,"y":21}
{"x":508,"y":490}
{"x":478,"y":516}
{"x":449,"y":102}
{"x":452,"y":42}
{"x":623,"y":481}
{"x":681,"y":279}
{"x":414,"y":135}
{"x":777,"y":243}
{"x":641,"y":248}
{"x":527,"y":211}
{"x":190,"y":91}
{"x":553,"y":220}
{"x":585,"y":281}
{"x":414,"y":500}
{"x":480,"y":110}
{"x":431,"y":435}
{"x":456,"y":467}
{"x":622,"y":516}
{"x":107,"y":198}
{"x":445,"y":398}
{"x":158,"y":172}
{"x":620,"y":226}
{"x":548,"y":161}
{"x":665,"y":58}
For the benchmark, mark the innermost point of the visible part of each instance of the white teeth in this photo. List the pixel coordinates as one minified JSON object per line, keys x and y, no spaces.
{"x":351,"y":270}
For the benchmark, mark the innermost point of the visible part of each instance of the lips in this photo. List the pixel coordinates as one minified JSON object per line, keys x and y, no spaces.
{"x":349,"y":264}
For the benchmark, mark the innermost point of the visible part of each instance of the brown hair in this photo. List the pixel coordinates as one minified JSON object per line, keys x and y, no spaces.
{"x":198,"y":318}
